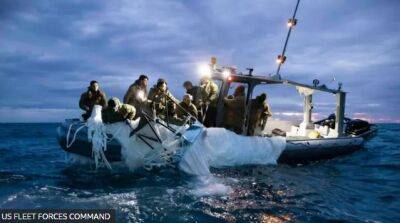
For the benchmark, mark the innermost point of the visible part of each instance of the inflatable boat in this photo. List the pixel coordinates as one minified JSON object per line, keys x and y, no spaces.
{"x":305,"y":142}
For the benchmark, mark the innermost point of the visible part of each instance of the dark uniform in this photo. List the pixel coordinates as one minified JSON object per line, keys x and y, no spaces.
{"x":196,"y":92}
{"x":120,"y":112}
{"x":259,"y":114}
{"x":235,"y":113}
{"x":210,"y":95}
{"x":161,"y":102}
{"x":91,"y":98}
{"x":183,"y":109}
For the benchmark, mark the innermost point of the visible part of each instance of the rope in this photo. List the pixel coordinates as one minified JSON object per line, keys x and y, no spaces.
{"x":76,"y":132}
{"x":99,"y":145}
{"x":114,"y":134}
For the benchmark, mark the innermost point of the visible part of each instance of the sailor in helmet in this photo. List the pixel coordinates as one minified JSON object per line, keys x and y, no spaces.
{"x":117,"y":112}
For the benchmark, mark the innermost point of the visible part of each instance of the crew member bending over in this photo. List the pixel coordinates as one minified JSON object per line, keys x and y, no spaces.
{"x":196,"y":93}
{"x":186,"y":108}
{"x":117,"y":112}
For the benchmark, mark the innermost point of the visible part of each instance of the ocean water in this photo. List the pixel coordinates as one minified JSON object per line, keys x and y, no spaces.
{"x":361,"y":187}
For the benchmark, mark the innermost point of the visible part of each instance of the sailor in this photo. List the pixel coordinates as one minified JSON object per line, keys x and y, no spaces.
{"x":117,"y":112}
{"x":153,"y":89}
{"x":93,"y":96}
{"x":235,"y":110}
{"x":173,"y":115}
{"x":186,"y":108}
{"x":161,"y":100}
{"x":196,"y":93}
{"x":265,"y":112}
{"x":209,"y":101}
{"x":137,"y":94}
{"x":259,"y":113}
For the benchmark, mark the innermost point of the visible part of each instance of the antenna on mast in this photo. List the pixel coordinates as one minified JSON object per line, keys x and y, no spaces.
{"x":291,"y":23}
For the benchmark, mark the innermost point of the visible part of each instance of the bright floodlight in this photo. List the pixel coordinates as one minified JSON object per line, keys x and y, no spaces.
{"x":205,"y":70}
{"x":226,"y":73}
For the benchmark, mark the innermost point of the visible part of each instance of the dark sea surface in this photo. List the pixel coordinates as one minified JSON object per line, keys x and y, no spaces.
{"x":361,"y":187}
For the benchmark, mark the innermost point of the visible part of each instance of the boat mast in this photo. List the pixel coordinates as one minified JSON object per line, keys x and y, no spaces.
{"x":291,"y":23}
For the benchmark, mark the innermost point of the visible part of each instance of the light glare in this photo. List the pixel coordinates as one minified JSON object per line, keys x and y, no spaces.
{"x":205,"y":70}
{"x":226,"y":73}
{"x":140,"y":95}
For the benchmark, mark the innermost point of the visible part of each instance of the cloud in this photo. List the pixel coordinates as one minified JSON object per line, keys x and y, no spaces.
{"x":50,"y":50}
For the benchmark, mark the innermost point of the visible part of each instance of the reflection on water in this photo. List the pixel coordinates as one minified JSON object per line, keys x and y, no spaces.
{"x":363,"y":186}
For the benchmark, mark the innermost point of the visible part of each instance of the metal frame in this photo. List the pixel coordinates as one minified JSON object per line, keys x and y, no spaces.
{"x":147,"y":119}
{"x":253,"y":80}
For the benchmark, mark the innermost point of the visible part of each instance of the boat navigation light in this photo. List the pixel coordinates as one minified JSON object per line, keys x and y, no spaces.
{"x":291,"y":23}
{"x":205,"y":70}
{"x":226,"y":73}
{"x":281,"y":59}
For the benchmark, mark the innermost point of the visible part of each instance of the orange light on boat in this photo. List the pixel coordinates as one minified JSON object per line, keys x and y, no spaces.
{"x":291,"y":23}
{"x":281,"y":59}
{"x":226,"y":73}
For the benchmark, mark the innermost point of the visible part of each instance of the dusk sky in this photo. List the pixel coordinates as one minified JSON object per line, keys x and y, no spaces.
{"x":51,"y":50}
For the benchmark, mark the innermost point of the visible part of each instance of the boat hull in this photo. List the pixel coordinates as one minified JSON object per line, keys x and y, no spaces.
{"x":82,"y":146}
{"x":304,"y":151}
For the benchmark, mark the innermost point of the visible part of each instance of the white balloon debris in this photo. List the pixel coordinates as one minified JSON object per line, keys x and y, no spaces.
{"x":215,"y":147}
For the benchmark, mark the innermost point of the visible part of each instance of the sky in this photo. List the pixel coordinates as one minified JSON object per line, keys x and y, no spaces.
{"x":51,"y":50}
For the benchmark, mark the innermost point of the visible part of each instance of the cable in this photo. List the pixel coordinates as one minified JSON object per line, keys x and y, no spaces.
{"x":293,"y":22}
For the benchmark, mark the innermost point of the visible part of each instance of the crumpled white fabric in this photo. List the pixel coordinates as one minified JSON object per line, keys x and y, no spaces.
{"x":97,"y":135}
{"x":218,"y":147}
